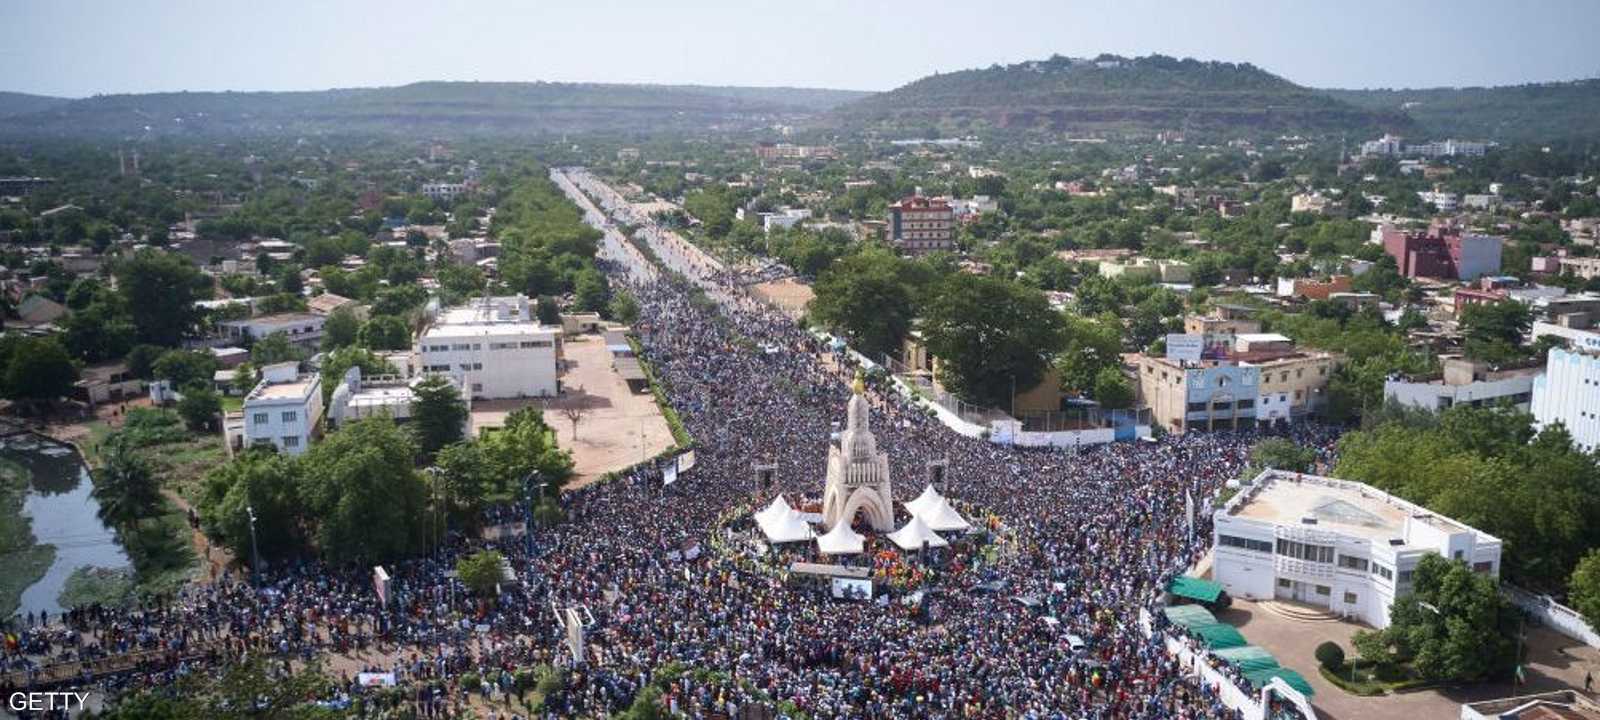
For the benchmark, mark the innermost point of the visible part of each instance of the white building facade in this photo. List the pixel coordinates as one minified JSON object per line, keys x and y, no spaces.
{"x":495,"y":348}
{"x":1335,"y":544}
{"x":1569,"y":393}
{"x":284,"y":409}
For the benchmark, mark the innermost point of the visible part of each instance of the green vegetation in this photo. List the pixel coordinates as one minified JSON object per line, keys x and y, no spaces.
{"x":1111,"y":93}
{"x":480,"y":572}
{"x":1583,"y":588}
{"x":680,"y":434}
{"x":1486,"y":467}
{"x":1532,"y":113}
{"x":1453,"y":625}
{"x":92,"y":585}
{"x":993,"y":337}
{"x":438,"y":414}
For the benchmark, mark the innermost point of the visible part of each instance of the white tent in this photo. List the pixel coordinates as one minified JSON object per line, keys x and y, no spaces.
{"x":928,"y":497}
{"x":915,"y":534}
{"x":942,"y":518}
{"x":778,"y":510}
{"x":841,"y":540}
{"x":781,"y":524}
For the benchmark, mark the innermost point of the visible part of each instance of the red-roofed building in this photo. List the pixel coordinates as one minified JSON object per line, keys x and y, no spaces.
{"x":919,"y":225}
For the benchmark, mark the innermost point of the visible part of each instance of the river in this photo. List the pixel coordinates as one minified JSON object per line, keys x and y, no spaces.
{"x":63,"y":514}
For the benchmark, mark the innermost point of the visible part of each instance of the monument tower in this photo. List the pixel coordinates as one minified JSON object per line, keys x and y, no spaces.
{"x":858,"y":474}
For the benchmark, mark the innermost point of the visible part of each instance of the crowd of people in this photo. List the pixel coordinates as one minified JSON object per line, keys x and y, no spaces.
{"x":1099,"y":531}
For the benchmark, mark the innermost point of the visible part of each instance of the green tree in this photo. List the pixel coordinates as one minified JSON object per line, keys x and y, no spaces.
{"x":991,"y":336}
{"x":480,"y":572}
{"x":1112,"y":389}
{"x":438,"y":413}
{"x":257,"y":479}
{"x":467,"y":478}
{"x":525,"y":444}
{"x":274,"y":348}
{"x":100,"y":332}
{"x":185,"y":368}
{"x":125,"y":485}
{"x":1091,"y":346}
{"x":1282,"y":454}
{"x":547,"y":310}
{"x":200,"y":407}
{"x":591,"y":292}
{"x":384,"y":332}
{"x":159,"y":289}
{"x":367,"y":500}
{"x":1583,"y":589}
{"x":1494,"y":331}
{"x":338,"y":362}
{"x":142,"y":360}
{"x":1454,"y":624}
{"x":864,"y":299}
{"x":341,"y":329}
{"x":36,"y":370}
{"x":624,"y":308}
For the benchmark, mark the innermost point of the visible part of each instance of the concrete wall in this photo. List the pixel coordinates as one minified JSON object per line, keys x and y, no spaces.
{"x":1554,"y":615}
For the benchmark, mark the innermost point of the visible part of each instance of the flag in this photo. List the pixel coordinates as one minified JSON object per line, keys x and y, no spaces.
{"x":1522,"y":679}
{"x":1188,"y":510}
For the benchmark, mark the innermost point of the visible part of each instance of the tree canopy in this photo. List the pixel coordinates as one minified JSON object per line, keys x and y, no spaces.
{"x":991,"y":336}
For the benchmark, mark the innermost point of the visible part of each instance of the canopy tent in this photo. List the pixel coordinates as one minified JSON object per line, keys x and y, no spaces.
{"x":915,"y":534}
{"x":1260,"y":678}
{"x":1188,"y":615}
{"x":1219,"y":635}
{"x":777,"y":510}
{"x":927,"y":499}
{"x":1195,"y":589}
{"x":1247,"y":658}
{"x":941,"y":517}
{"x":781,"y":524}
{"x":841,"y":540}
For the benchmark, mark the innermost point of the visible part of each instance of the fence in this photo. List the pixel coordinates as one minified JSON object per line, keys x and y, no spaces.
{"x":1251,"y":707}
{"x":921,"y":382}
{"x":1554,"y":615}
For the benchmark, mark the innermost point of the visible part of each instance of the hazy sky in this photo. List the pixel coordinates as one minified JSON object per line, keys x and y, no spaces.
{"x":83,"y":47}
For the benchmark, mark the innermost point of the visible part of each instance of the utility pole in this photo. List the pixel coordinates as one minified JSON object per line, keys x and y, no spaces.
{"x":255,"y":551}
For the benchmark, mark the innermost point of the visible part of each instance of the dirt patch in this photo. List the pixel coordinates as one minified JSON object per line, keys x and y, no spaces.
{"x":789,"y":295}
{"x":616,"y":427}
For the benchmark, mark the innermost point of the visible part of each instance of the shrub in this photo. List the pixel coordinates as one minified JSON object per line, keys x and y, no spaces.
{"x":1330,"y":655}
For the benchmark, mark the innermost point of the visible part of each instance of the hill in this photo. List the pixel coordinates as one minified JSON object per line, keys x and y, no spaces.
{"x":1542,"y":112}
{"x":454,"y":108}
{"x":14,"y":103}
{"x":1112,"y":94}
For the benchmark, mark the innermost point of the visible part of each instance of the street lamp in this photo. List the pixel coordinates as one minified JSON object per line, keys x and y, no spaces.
{"x":255,"y":551}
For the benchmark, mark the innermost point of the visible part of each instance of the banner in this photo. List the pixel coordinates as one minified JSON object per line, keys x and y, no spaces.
{"x":847,"y":589}
{"x":380,"y":583}
{"x":685,"y":461}
{"x":669,"y":473}
{"x":375,"y":679}
{"x":1185,"y":348}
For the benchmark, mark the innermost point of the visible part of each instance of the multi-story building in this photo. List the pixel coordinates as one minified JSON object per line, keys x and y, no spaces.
{"x":1569,"y":393}
{"x":1442,"y":251}
{"x":303,"y":329}
{"x":1217,"y":333}
{"x":284,"y":409}
{"x":1261,"y":379}
{"x":1208,"y":395}
{"x":1586,"y":268}
{"x":495,"y":348}
{"x":1313,"y":289}
{"x":920,"y":225}
{"x":1337,"y":544}
{"x":1167,"y":271}
{"x":788,"y":151}
{"x":1464,"y":382}
{"x":445,"y":191}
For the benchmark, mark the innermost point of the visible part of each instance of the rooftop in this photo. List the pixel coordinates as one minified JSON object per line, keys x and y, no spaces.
{"x":278,"y":319}
{"x":302,"y":388}
{"x":1341,"y":506}
{"x":496,"y":329}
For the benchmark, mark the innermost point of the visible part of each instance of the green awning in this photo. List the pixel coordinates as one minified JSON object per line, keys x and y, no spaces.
{"x":1195,"y":589}
{"x":1219,"y":635}
{"x":1259,"y":679}
{"x":1248,"y":658}
{"x":1188,"y":615}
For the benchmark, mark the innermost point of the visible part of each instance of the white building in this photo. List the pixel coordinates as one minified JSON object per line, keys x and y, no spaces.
{"x":495,"y":347}
{"x":1577,"y":338}
{"x":284,"y":409}
{"x":444,"y":191}
{"x":1335,"y":544}
{"x":302,"y":328}
{"x":358,"y":398}
{"x":1446,"y":202}
{"x":785,"y":218}
{"x":1569,"y":393}
{"x":1464,"y":383}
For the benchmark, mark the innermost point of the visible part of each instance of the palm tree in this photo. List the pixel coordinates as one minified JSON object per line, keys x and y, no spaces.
{"x":125,"y":485}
